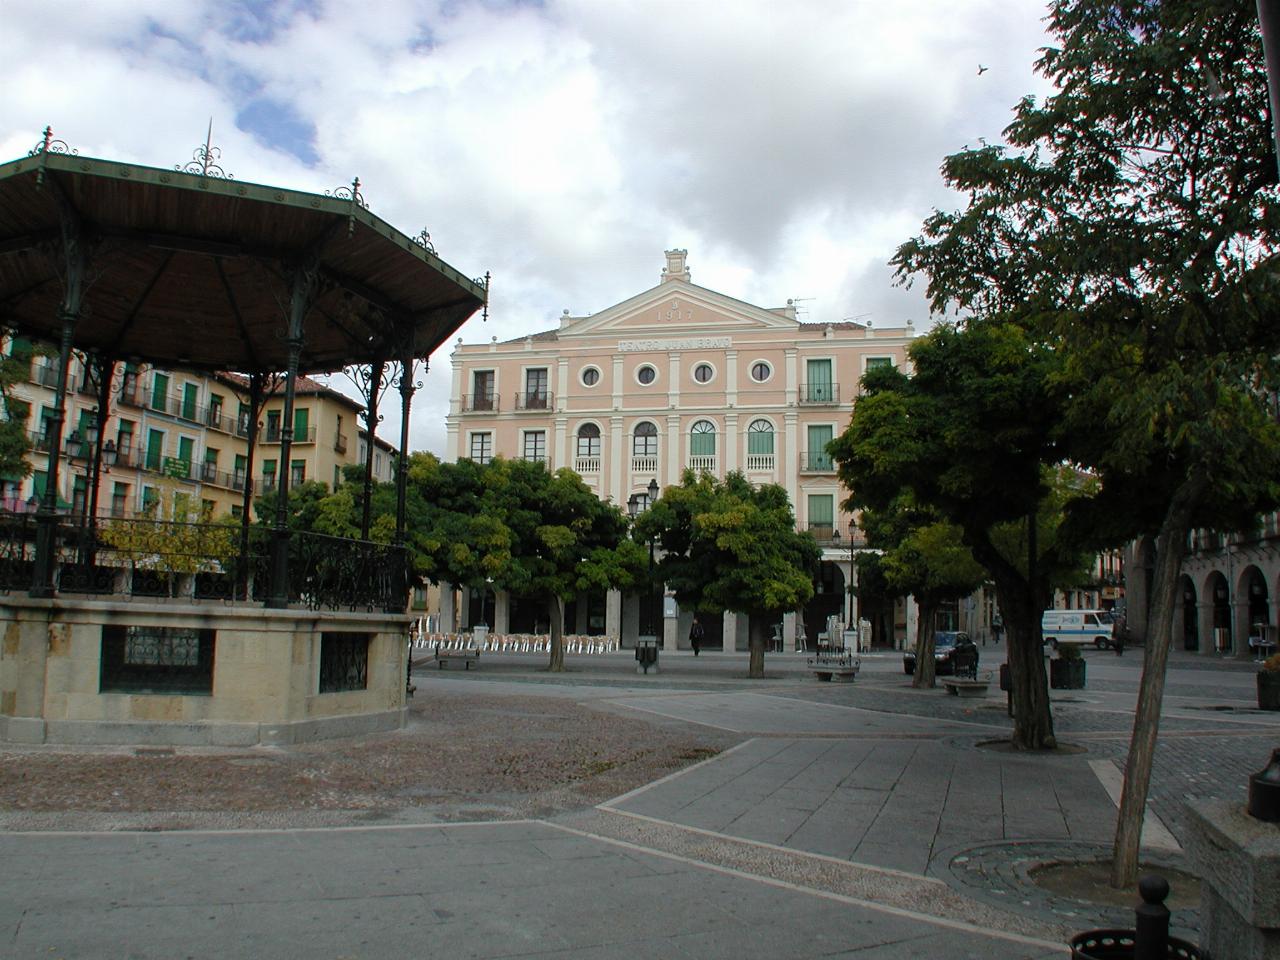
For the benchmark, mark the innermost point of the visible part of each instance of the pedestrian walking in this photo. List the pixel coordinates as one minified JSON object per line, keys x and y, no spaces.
{"x":695,"y":636}
{"x":1118,"y":630}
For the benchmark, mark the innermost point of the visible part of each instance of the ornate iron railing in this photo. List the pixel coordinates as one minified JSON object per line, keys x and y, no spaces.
{"x":145,"y":557}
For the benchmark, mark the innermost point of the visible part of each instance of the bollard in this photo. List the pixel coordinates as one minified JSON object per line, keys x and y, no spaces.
{"x":1264,"y":791}
{"x":1151,"y":919}
{"x":1149,"y":940}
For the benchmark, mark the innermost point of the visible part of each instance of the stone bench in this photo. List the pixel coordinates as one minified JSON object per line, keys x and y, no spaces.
{"x":828,"y":666}
{"x":966,"y":686}
{"x":466,"y":656}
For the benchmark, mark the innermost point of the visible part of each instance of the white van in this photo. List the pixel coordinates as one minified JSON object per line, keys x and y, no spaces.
{"x":1077,"y":626}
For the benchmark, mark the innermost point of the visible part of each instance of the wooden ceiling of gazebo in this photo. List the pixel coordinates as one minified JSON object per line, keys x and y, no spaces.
{"x":195,"y":271}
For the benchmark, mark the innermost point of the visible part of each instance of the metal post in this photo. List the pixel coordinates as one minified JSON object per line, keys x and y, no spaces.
{"x":407,"y":388}
{"x":1151,"y":920}
{"x":246,"y":496}
{"x":106,"y":376}
{"x":371,"y":419}
{"x":1269,"y":18}
{"x":304,"y":282}
{"x":47,"y":512}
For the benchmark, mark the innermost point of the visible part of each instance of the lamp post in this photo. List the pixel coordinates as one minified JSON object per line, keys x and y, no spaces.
{"x":634,"y":510}
{"x":95,"y":455}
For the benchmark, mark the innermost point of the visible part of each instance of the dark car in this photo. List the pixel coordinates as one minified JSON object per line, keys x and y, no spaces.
{"x":949,"y":646}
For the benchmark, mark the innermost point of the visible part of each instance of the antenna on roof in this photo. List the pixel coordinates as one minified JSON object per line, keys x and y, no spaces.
{"x":800,"y":311}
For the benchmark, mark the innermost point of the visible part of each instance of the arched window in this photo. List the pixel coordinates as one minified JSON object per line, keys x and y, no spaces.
{"x":760,"y":437}
{"x":644,"y":442}
{"x":588,"y":440}
{"x":702,"y":439}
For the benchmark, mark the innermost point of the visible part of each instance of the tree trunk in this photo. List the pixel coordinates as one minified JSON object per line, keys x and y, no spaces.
{"x":757,"y":627}
{"x":1024,"y":649}
{"x":1155,"y":659}
{"x":555,"y":611}
{"x":926,"y":667}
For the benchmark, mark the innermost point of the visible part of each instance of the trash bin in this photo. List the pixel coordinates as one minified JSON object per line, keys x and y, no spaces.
{"x":647,"y":654}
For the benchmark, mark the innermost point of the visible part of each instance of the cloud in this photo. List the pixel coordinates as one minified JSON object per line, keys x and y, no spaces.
{"x":561,"y":146}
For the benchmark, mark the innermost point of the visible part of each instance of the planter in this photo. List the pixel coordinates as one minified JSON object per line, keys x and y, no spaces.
{"x":1269,"y":689}
{"x":1066,"y":674}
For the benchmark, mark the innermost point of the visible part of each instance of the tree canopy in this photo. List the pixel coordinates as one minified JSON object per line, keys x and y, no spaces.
{"x":728,"y":545}
{"x":1129,"y":223}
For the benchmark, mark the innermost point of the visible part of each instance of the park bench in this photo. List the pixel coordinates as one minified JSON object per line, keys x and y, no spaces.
{"x":825,"y":666}
{"x":967,"y":686}
{"x":467,"y":656}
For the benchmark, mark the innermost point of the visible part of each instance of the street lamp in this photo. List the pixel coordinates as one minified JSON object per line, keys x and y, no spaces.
{"x":95,"y":455}
{"x":633,"y":508}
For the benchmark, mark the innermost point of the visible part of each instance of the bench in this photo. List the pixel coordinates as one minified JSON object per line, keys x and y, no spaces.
{"x":966,"y":686}
{"x":466,"y":656}
{"x":826,"y":666}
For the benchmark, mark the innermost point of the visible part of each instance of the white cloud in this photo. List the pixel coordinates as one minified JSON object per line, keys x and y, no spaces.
{"x":789,"y":147}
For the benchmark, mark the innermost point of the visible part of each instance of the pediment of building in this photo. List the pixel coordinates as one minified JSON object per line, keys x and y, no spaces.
{"x":676,"y":307}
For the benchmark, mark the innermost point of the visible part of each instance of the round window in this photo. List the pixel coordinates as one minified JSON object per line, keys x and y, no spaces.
{"x":703,"y":373}
{"x":760,"y":371}
{"x":590,"y":376}
{"x":646,"y":374}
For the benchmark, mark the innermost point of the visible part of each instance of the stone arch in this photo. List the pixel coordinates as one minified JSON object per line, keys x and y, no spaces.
{"x":1187,"y":621}
{"x":1215,"y":613}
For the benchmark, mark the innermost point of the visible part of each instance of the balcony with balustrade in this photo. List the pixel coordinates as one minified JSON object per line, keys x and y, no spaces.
{"x":702,"y":463}
{"x":644,"y":465}
{"x":760,"y":462}
{"x":586,"y":466}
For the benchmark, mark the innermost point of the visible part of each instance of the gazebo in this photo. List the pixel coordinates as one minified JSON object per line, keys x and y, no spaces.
{"x":260,"y":635}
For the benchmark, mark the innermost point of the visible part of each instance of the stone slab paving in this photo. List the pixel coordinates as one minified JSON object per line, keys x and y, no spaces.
{"x":515,"y":889}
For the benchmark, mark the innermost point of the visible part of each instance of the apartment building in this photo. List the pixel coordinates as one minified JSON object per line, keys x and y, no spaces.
{"x":677,"y":377}
{"x":173,"y":429}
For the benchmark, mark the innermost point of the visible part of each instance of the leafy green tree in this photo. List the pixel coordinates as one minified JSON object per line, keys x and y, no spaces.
{"x":730,"y":546}
{"x":968,"y":436}
{"x":876,"y":598}
{"x":512,"y":524}
{"x":15,"y":444}
{"x":926,"y":558}
{"x":1131,"y":221}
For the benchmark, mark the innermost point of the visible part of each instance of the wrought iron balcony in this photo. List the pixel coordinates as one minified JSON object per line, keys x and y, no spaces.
{"x":340,"y":443}
{"x":817,"y":461}
{"x":46,"y":374}
{"x":819,"y":394}
{"x":535,"y":400}
{"x":274,"y":433}
{"x":480,"y":403}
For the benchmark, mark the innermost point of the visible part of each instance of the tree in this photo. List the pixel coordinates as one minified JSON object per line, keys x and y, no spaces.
{"x":513,"y":525}
{"x":968,"y":436}
{"x":730,"y":546}
{"x":1131,"y":221}
{"x":191,"y":542}
{"x":924,"y":557}
{"x":15,"y":445}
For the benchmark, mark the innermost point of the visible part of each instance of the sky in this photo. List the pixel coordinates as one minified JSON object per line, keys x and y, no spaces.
{"x":561,"y":146}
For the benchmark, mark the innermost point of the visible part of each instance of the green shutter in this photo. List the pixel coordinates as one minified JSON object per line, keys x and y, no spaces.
{"x":821,"y":510}
{"x":819,"y":437}
{"x":190,"y":393}
{"x":155,"y":449}
{"x":819,"y":376}
{"x":160,"y":393}
{"x":760,"y":441}
{"x":702,"y":442}
{"x":300,"y":424}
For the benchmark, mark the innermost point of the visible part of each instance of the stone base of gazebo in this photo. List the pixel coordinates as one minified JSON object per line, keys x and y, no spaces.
{"x":178,"y":673}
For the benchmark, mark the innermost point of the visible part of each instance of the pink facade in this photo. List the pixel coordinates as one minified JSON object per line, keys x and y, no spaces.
{"x":676,"y":377}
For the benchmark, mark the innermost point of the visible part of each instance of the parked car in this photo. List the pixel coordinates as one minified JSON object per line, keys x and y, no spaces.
{"x":947,"y":646}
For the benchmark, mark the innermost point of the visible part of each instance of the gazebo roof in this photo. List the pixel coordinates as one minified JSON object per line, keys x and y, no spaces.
{"x":196,"y":271}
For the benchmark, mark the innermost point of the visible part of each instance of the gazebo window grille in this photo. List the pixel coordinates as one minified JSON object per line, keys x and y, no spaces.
{"x":157,"y":659}
{"x":344,"y":661}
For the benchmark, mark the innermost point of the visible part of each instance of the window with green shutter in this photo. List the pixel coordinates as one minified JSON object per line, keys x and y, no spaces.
{"x":821,"y":513}
{"x":155,"y":449}
{"x":702,"y":439}
{"x":760,"y":437}
{"x":160,"y":392}
{"x":190,"y":396}
{"x":301,"y":421}
{"x":820,"y":386}
{"x":819,"y":437}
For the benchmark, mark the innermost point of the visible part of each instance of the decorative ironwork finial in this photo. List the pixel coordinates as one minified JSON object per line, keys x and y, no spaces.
{"x":203,"y":162}
{"x":353,"y":194}
{"x":424,"y":240}
{"x":46,"y":146}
